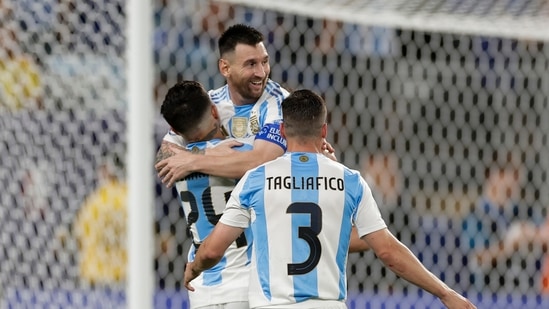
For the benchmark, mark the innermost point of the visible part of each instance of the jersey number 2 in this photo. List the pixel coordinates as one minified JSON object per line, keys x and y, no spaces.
{"x":209,"y":210}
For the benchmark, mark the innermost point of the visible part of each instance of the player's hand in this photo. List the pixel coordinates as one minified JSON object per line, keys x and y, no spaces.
{"x":167,"y":150}
{"x":224,"y":148}
{"x":455,"y":301}
{"x":189,"y":276}
{"x":175,"y":167}
{"x":328,"y":150}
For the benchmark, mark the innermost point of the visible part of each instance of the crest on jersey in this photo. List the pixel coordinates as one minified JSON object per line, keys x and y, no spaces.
{"x":239,"y":127}
{"x":254,"y":122}
{"x":195,"y":149}
{"x":303,"y":158}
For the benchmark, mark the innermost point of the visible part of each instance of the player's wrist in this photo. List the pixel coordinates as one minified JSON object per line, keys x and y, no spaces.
{"x":199,"y":164}
{"x":195,"y":269}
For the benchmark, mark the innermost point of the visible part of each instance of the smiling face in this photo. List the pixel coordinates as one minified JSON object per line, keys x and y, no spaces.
{"x":246,"y":71}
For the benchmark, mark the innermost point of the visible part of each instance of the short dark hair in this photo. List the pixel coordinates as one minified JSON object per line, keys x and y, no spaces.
{"x":303,"y":114}
{"x":238,"y":34}
{"x":185,"y":105}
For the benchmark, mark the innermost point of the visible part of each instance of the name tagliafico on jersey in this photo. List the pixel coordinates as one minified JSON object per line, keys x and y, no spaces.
{"x":271,"y":132}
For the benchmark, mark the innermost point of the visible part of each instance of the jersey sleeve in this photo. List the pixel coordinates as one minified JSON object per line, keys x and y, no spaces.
{"x":368,"y":217}
{"x":271,"y":133}
{"x":174,"y":138}
{"x":235,"y":214}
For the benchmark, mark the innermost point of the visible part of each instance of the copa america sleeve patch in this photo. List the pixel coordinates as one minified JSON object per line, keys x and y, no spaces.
{"x":271,"y":133}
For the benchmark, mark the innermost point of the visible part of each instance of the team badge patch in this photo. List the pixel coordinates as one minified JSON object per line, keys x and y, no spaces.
{"x":303,"y":158}
{"x":254,"y":122}
{"x":239,"y":127}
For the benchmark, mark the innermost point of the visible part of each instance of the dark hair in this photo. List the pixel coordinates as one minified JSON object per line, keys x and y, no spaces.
{"x":185,"y":105}
{"x":238,"y":34}
{"x":303,"y":114}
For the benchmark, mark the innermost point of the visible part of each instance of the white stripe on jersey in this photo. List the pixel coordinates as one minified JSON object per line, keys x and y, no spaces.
{"x":301,"y":207}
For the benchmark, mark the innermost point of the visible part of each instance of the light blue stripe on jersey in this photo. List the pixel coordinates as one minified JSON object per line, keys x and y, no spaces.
{"x":260,"y":240}
{"x":197,"y":185}
{"x":305,"y":285}
{"x":212,"y":276}
{"x":352,"y":190}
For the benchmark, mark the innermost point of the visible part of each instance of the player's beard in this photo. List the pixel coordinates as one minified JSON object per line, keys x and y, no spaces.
{"x":250,"y":92}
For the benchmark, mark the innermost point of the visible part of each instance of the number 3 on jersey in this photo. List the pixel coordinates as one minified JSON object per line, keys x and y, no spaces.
{"x":308,"y":234}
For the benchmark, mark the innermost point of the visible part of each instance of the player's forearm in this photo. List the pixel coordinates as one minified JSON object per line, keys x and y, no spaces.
{"x":230,"y":166}
{"x":213,"y":248}
{"x":203,"y":262}
{"x":234,"y":165}
{"x":406,"y":265}
{"x":165,"y":151}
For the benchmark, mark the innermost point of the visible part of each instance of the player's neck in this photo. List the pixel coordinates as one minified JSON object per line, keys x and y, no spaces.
{"x":238,"y":99}
{"x":303,"y":146}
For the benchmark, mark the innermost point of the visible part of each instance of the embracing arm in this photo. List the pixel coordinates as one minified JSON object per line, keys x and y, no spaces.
{"x":167,"y":150}
{"x":397,"y":257}
{"x":238,"y":163}
{"x":232,"y":165}
{"x":211,"y":251}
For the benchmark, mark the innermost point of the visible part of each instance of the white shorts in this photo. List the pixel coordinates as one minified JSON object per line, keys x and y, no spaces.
{"x":233,"y":305}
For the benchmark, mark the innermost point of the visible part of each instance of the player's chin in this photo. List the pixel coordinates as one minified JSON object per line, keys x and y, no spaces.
{"x":254,"y":95}
{"x":256,"y":89}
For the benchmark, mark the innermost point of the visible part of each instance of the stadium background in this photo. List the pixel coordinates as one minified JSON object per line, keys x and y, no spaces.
{"x":442,"y":103}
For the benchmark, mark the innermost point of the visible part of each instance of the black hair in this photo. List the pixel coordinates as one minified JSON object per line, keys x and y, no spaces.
{"x":185,"y":105}
{"x":238,"y":34}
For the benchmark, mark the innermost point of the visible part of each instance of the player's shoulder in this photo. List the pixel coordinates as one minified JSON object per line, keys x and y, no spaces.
{"x":347,"y":171}
{"x":275,"y":89}
{"x":202,"y":145}
{"x":220,"y":94}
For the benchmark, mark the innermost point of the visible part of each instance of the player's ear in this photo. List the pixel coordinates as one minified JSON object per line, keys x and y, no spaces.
{"x":215,"y":113}
{"x":324,"y":130}
{"x":282,"y":130}
{"x":174,"y":131}
{"x":223,"y":67}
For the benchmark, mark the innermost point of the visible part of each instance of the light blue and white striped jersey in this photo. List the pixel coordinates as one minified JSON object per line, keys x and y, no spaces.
{"x":301,"y":207}
{"x":260,"y":120}
{"x":203,"y":198}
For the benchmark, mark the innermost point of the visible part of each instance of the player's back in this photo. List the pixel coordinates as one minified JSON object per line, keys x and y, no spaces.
{"x":301,"y":228}
{"x":203,"y":198}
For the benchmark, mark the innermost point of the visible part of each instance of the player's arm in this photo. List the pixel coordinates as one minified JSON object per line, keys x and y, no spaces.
{"x":357,"y":244}
{"x":231,"y":166}
{"x":404,"y":263}
{"x":167,"y":150}
{"x":211,"y":251}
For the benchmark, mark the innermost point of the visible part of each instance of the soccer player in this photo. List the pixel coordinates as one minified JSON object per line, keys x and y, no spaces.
{"x":248,"y":105}
{"x":189,"y":111}
{"x":301,"y":207}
